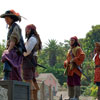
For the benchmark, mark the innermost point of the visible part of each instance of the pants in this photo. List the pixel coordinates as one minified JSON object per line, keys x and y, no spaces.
{"x":7,"y":69}
{"x":74,"y":86}
{"x":74,"y":80}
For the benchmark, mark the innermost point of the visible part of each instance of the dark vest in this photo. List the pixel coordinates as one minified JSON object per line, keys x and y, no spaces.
{"x":30,"y":60}
{"x":20,"y":46}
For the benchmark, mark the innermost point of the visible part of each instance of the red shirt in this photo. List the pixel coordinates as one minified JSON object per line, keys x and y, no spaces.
{"x":97,"y":60}
{"x":97,"y":70}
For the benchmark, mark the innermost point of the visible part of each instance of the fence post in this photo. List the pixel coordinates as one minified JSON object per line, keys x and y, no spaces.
{"x":50,"y":92}
{"x":42,"y":92}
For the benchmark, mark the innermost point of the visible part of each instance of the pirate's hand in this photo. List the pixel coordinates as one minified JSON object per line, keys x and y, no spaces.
{"x":72,"y":60}
{"x":26,"y":53}
{"x":5,"y":52}
{"x":65,"y":63}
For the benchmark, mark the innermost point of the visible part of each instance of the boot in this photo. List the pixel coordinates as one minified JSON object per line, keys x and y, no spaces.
{"x":35,"y":91}
{"x":61,"y":98}
{"x":77,"y":92}
{"x":98,"y":92}
{"x":31,"y":95}
{"x":70,"y":99}
{"x":70,"y":92}
{"x":36,"y":87}
{"x":35,"y":95}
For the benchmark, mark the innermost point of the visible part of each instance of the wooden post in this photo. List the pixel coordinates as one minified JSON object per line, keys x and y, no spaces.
{"x":50,"y":92}
{"x":42,"y":92}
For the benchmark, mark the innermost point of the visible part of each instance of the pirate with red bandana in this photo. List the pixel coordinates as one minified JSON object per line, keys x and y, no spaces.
{"x":75,"y":58}
{"x":32,"y":45}
{"x":97,"y":67}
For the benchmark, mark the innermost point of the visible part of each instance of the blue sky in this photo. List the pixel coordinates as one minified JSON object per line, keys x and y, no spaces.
{"x":54,"y":19}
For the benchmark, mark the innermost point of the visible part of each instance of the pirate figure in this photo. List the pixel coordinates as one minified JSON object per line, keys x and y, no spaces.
{"x":75,"y":58}
{"x":97,"y":67}
{"x":12,"y":56}
{"x":32,"y":45}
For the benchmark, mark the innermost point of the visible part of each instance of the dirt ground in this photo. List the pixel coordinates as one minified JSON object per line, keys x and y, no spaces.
{"x":65,"y":96}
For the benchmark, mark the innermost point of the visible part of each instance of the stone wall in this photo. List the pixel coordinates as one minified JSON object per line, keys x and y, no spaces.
{"x":3,"y":93}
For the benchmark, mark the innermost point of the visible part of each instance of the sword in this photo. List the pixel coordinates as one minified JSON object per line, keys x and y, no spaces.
{"x":83,"y":73}
{"x":41,"y":66}
{"x":80,"y":68}
{"x":31,"y":63}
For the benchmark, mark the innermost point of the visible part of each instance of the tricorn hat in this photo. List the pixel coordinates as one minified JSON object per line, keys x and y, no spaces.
{"x":11,"y":13}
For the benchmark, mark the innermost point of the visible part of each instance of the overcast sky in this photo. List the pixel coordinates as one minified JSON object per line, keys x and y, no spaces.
{"x":54,"y":19}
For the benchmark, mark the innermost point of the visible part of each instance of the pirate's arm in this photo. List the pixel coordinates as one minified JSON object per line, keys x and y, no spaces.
{"x":11,"y":46}
{"x":80,"y":56}
{"x":14,"y":39}
{"x":67,"y":61}
{"x":30,"y":45}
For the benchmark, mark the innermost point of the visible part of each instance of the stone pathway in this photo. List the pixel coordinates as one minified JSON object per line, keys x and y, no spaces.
{"x":86,"y":98}
{"x":65,"y":95}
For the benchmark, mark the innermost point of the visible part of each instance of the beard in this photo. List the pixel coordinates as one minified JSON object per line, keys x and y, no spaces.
{"x":27,"y":35}
{"x":72,"y":45}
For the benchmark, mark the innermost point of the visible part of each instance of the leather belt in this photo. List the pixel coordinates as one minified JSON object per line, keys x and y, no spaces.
{"x":97,"y":66}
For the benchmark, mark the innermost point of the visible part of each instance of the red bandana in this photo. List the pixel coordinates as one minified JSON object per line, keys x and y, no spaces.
{"x":31,"y":26}
{"x":75,"y":38}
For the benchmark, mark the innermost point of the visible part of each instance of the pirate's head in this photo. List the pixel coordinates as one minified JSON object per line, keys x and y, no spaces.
{"x":74,"y":41}
{"x":11,"y":16}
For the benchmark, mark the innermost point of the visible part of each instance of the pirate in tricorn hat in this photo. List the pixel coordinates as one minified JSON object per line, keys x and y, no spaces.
{"x":97,"y":67}
{"x":12,"y":56}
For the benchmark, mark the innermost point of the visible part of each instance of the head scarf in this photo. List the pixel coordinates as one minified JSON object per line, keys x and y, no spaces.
{"x":76,"y":40}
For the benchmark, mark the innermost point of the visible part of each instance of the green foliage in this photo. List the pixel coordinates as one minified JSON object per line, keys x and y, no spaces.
{"x":57,"y":72}
{"x":52,"y":52}
{"x":88,"y":43}
{"x":88,"y":66}
{"x":53,"y":55}
{"x":64,"y":85}
{"x":2,"y":47}
{"x":91,"y":90}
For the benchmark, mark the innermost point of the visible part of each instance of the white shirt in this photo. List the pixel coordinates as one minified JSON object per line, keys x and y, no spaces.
{"x":30,"y":44}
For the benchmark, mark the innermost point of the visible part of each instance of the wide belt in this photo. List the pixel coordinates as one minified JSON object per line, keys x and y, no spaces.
{"x":97,"y":66}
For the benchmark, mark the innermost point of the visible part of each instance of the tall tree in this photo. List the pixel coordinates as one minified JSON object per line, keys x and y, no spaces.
{"x":52,"y":52}
{"x":2,"y":47}
{"x":91,"y":37}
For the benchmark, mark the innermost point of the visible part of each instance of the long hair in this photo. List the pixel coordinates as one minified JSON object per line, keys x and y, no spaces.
{"x":34,"y":32}
{"x":76,"y":44}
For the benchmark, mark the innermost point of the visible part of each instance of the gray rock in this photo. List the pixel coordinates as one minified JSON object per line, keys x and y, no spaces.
{"x":3,"y":93}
